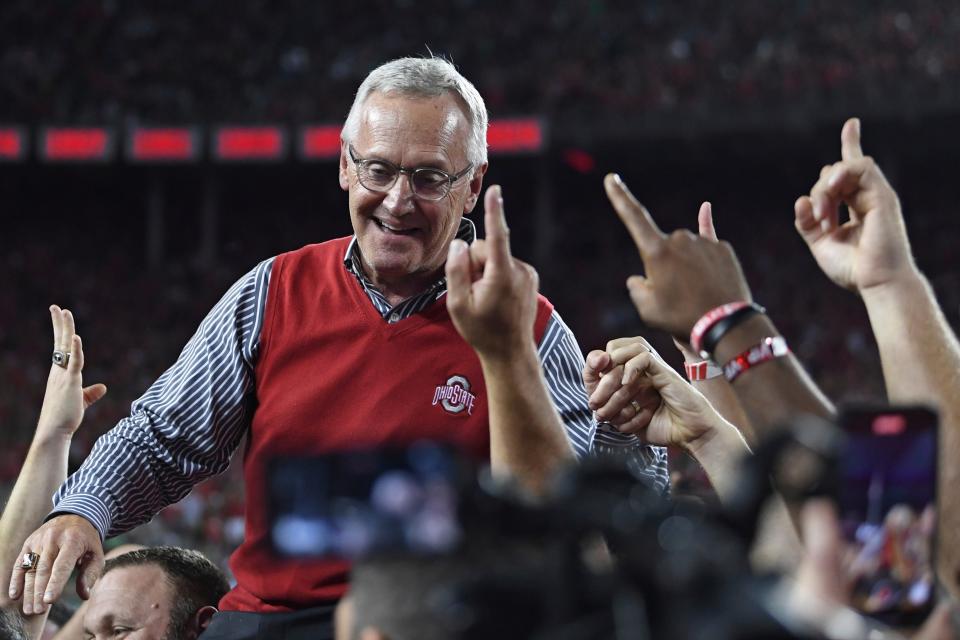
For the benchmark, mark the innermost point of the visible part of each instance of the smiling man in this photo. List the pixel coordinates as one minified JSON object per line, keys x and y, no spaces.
{"x":338,"y":345}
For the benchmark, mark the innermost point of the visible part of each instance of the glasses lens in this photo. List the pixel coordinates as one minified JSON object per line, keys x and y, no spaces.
{"x":430,"y":184}
{"x":377,"y":176}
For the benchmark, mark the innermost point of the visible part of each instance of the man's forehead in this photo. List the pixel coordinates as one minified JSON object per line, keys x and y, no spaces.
{"x":127,"y":592}
{"x":403,"y":119}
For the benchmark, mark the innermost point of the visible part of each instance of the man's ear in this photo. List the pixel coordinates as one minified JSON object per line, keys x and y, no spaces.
{"x":201,"y":620}
{"x":476,"y":185}
{"x":344,"y":161}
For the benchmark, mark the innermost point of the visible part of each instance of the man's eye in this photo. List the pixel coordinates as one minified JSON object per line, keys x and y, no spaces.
{"x":430,"y":178}
{"x":379,"y":170}
{"x":119,"y":632}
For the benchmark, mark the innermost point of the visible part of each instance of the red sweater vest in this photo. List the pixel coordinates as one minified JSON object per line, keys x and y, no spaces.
{"x":333,"y":375}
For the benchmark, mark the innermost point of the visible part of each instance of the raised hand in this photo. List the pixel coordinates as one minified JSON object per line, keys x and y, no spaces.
{"x":686,"y":275}
{"x":869,"y":249}
{"x":492,"y":296}
{"x":66,"y":541}
{"x":65,"y":398}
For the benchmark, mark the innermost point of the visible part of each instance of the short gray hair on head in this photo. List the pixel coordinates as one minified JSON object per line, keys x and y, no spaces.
{"x":425,"y":78}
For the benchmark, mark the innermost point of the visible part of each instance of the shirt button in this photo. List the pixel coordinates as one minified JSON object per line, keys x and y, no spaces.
{"x":394,"y":317}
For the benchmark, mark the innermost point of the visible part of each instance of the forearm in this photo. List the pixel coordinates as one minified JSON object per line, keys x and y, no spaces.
{"x":724,"y":399}
{"x":43,"y":471}
{"x":527,"y":439}
{"x":921,"y":364}
{"x":773,"y":392}
{"x":720,"y":452}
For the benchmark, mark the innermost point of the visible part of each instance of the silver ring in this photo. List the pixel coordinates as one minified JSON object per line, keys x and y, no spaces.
{"x":61,"y":358}
{"x":30,"y":561}
{"x":636,"y":407}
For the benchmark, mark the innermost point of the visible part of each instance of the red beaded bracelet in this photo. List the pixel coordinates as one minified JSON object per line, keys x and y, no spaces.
{"x":768,"y":349}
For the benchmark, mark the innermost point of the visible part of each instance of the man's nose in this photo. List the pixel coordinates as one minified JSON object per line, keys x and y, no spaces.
{"x":400,"y":197}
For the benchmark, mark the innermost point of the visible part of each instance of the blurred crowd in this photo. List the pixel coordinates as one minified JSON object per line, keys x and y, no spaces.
{"x":109,"y":62}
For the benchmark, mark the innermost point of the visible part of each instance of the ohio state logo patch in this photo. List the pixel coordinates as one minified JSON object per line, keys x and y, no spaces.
{"x":454,"y":395}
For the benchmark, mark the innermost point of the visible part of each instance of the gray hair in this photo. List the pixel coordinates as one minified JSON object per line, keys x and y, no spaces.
{"x":425,"y":78}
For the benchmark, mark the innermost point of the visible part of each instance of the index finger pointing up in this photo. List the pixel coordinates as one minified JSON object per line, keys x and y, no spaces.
{"x":850,"y":140}
{"x":644,"y":231}
{"x":498,"y":235}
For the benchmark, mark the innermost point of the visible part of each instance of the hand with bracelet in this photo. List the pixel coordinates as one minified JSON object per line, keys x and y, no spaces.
{"x":688,"y":277}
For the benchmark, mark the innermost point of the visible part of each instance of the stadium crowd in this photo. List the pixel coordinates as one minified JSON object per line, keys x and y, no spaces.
{"x":109,"y":62}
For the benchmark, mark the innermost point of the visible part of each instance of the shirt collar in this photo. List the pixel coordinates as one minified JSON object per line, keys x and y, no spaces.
{"x":352,"y":261}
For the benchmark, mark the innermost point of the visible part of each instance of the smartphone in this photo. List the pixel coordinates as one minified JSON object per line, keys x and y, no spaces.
{"x":358,"y":504}
{"x":887,"y":501}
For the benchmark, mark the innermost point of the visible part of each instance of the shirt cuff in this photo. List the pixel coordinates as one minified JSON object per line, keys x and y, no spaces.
{"x":87,"y":506}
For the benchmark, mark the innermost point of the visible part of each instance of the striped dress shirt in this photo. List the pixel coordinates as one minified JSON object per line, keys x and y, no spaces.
{"x":187,"y":425}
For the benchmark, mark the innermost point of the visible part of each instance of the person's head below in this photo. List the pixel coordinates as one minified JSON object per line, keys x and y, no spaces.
{"x":441,"y":597}
{"x":160,"y":593}
{"x":412,"y":158}
{"x":11,"y":625}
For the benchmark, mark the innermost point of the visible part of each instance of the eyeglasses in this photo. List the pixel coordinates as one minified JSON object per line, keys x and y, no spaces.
{"x":426,"y":183}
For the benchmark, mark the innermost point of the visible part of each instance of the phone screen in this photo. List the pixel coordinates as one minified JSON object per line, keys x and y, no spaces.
{"x":356,"y":504}
{"x":887,"y":500}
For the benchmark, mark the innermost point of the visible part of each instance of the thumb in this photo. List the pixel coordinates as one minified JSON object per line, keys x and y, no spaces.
{"x":705,"y":221}
{"x":91,"y":568}
{"x":640,"y":294}
{"x":458,"y":275}
{"x":93,"y":393}
{"x":594,"y":366}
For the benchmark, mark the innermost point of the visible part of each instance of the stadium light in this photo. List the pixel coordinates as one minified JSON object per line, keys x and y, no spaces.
{"x":163,"y":144}
{"x":13,"y":144}
{"x":250,"y":144}
{"x":320,"y":142}
{"x":76,"y":144}
{"x":515,"y":135}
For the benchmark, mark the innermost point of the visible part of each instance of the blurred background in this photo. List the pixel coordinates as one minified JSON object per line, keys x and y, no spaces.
{"x":151,"y":153}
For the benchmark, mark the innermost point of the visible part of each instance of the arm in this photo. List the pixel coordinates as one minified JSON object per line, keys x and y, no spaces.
{"x":492,"y":301}
{"x":871,"y":254}
{"x":45,"y":467}
{"x":563,"y":362}
{"x":181,"y":431}
{"x":686,"y":276}
{"x":684,"y":417}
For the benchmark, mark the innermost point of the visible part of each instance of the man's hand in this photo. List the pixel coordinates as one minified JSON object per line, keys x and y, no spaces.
{"x":686,"y":275}
{"x":869,"y":249}
{"x":684,"y":416}
{"x":63,"y":543}
{"x":492,"y":296}
{"x":612,"y":401}
{"x":66,"y":399}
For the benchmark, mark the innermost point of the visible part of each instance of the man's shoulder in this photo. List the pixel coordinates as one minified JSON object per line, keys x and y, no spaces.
{"x":328,"y":251}
{"x":317,"y":249}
